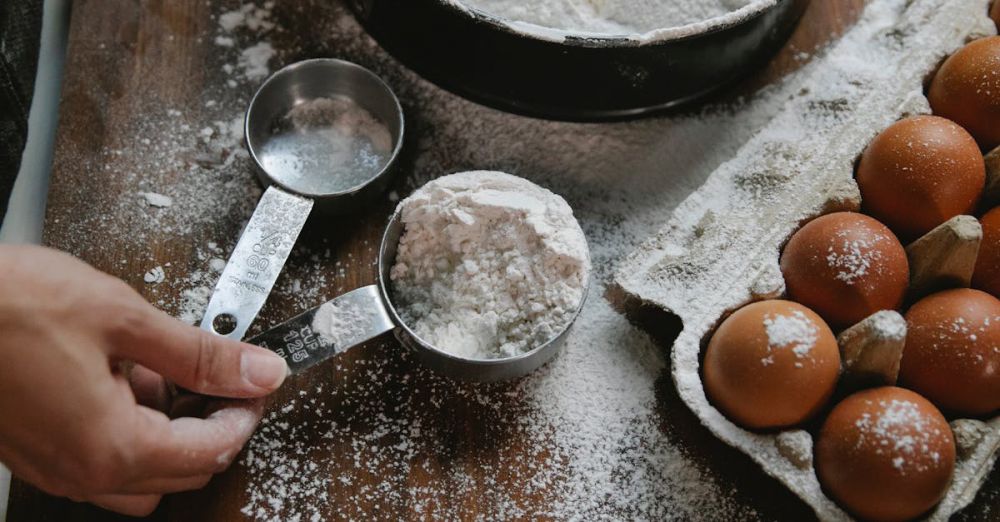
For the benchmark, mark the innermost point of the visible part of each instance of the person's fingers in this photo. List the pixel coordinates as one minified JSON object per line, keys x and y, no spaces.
{"x":150,"y":388}
{"x":162,"y":486}
{"x":187,"y":446}
{"x":201,"y":361}
{"x":131,"y":505}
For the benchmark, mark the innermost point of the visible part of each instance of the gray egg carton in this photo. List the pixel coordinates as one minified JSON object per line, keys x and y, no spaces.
{"x":720,"y":250}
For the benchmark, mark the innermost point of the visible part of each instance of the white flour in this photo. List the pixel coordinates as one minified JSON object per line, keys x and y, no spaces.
{"x":155,"y":276}
{"x":855,"y":258}
{"x":795,"y":332}
{"x":250,"y":16}
{"x":608,"y":16}
{"x":489,"y":265}
{"x":154,"y":199}
{"x":904,"y":431}
{"x":342,"y":323}
{"x":254,"y":61}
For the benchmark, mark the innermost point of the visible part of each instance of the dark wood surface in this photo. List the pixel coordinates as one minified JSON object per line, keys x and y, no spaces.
{"x":128,"y":59}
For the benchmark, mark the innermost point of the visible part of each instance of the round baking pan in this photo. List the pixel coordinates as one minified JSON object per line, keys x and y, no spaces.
{"x":536,"y":71}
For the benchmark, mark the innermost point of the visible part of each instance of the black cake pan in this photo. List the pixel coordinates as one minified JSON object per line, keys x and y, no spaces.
{"x":563,"y":75}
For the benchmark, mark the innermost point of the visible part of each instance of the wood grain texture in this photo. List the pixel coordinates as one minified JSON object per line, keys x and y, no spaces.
{"x":130,"y":58}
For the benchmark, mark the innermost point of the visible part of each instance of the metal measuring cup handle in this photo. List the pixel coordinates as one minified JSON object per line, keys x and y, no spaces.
{"x":256,"y":262}
{"x":329,"y":329}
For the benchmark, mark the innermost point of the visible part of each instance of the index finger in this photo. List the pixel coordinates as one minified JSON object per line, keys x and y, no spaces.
{"x":198,"y":360}
{"x":189,"y":446}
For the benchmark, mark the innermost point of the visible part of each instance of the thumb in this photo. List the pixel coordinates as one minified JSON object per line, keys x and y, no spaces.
{"x":202,"y":361}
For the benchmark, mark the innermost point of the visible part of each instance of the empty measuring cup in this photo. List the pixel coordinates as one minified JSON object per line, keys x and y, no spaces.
{"x":323,"y":133}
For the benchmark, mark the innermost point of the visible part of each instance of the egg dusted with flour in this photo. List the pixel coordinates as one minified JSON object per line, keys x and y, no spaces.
{"x":952,"y":353}
{"x":886,"y":454}
{"x":966,"y":89}
{"x":771,"y":364}
{"x":919,"y":173}
{"x":489,"y":265}
{"x":845,"y":266}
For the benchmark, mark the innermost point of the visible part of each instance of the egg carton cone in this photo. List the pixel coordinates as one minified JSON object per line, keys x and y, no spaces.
{"x":721,"y":248}
{"x":991,"y":195}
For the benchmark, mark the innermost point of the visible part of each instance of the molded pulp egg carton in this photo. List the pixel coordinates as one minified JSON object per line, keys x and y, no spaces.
{"x":721,"y":249}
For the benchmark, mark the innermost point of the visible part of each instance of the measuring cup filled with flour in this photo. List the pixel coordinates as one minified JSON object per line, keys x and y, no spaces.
{"x":481,"y":273}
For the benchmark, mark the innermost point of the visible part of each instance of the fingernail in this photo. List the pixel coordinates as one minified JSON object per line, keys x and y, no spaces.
{"x":263,"y":369}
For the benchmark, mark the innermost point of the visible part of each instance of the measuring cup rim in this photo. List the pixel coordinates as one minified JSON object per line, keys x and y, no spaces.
{"x":397,"y":145}
{"x":383,"y":285}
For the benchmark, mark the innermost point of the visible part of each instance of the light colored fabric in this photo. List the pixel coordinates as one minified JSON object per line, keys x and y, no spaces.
{"x":26,"y":213}
{"x":4,"y":490}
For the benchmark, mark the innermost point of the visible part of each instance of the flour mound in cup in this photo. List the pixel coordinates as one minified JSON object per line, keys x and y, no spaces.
{"x":607,"y":17}
{"x":489,"y":265}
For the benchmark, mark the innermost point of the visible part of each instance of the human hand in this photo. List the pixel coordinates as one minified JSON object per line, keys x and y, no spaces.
{"x":73,"y":424}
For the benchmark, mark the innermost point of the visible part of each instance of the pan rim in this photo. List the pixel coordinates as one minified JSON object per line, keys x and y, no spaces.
{"x":594,"y":39}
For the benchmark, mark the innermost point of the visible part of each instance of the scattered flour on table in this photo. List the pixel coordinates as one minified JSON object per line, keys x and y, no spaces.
{"x":253,"y":17}
{"x":307,"y":282}
{"x":571,"y":442}
{"x":254,"y":59}
{"x":217,"y":264}
{"x":607,"y":16}
{"x":489,"y":265}
{"x":197,"y":157}
{"x":154,"y":199}
{"x":155,"y":276}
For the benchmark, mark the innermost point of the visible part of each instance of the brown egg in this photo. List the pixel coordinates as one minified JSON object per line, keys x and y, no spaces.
{"x":845,"y":266}
{"x":885,"y":454}
{"x":987,"y":275}
{"x":919,"y":173}
{"x":771,"y":364}
{"x":966,"y":90}
{"x":952,"y":353}
{"x":995,"y":13}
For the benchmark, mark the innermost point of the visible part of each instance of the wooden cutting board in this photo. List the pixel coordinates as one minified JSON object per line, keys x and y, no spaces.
{"x":128,"y":60}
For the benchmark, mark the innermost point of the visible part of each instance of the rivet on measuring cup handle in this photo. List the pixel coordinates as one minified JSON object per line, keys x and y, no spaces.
{"x":224,"y":324}
{"x":287,"y":202}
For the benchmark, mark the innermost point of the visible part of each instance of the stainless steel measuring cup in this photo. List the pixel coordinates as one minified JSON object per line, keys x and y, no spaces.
{"x":368,"y":312}
{"x":282,"y":211}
